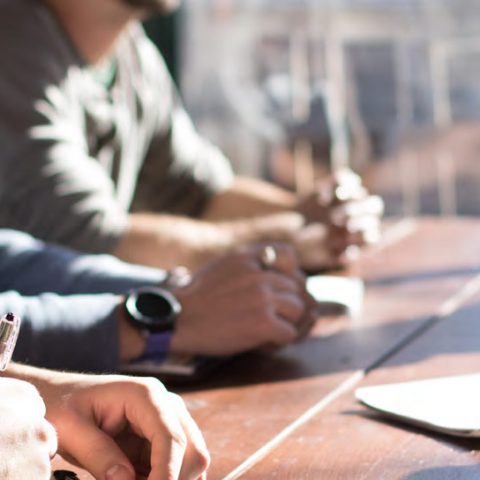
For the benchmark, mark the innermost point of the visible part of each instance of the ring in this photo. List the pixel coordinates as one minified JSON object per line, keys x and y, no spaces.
{"x":269,"y":257}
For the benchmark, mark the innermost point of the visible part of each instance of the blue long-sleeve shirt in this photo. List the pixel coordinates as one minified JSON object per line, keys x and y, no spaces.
{"x":67,"y":302}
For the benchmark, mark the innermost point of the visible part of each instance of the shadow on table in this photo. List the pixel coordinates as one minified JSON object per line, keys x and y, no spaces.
{"x":461,"y":443}
{"x":458,"y":472}
{"x":429,"y":275}
{"x":350,"y":350}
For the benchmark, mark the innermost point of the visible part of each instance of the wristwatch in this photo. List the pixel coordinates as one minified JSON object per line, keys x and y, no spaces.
{"x":152,"y":310}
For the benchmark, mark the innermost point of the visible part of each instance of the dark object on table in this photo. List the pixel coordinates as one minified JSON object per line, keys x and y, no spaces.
{"x":64,"y":475}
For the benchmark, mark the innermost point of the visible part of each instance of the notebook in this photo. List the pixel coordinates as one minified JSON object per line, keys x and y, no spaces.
{"x":448,"y":405}
{"x":335,"y":295}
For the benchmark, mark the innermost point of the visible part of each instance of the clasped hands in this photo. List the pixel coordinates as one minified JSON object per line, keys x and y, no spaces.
{"x":340,"y":216}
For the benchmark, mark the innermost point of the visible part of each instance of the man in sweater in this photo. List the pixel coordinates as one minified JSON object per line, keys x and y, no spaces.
{"x":99,"y":154}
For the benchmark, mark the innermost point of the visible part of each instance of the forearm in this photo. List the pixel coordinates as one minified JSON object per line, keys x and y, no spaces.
{"x":249,"y":197}
{"x":168,"y":241}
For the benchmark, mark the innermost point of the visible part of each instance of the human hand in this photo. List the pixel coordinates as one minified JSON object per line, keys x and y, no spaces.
{"x":343,"y":214}
{"x":27,"y":440}
{"x":235,"y":304}
{"x":123,"y":428}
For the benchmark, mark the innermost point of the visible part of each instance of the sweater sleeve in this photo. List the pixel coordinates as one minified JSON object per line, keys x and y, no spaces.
{"x":72,"y":332}
{"x":30,"y":267}
{"x":52,"y":184}
{"x":74,"y":326}
{"x":181,"y":171}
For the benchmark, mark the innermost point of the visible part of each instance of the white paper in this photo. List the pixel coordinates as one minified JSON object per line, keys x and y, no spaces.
{"x":346,"y":291}
{"x":448,"y":404}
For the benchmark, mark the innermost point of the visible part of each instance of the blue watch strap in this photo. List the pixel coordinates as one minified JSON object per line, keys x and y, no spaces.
{"x":158,"y":346}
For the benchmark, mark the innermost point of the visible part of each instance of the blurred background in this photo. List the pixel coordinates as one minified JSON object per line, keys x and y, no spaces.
{"x":293,"y":89}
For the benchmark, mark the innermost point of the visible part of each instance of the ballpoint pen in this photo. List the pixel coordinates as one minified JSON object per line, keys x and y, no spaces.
{"x":9,"y":328}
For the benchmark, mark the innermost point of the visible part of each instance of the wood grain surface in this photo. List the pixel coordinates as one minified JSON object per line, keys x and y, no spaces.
{"x":348,"y":441}
{"x":256,"y":404}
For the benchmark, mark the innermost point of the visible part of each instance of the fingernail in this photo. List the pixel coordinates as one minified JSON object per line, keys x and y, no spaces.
{"x":119,"y":472}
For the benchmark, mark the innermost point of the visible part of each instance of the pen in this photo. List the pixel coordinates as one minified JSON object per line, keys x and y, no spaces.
{"x":64,"y":475}
{"x":9,"y":328}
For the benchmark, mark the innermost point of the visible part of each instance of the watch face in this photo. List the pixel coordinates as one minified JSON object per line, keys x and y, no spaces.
{"x":153,"y":309}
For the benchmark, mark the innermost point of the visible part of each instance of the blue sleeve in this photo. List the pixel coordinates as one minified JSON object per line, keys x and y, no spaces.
{"x":30,"y":267}
{"x":72,"y":332}
{"x":66,"y":300}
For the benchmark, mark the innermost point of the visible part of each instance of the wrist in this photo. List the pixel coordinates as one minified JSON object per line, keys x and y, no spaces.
{"x":131,"y":340}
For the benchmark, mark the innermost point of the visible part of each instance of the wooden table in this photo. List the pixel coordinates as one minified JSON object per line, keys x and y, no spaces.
{"x":293,"y":415}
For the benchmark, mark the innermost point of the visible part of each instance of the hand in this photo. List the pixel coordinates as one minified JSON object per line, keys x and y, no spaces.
{"x":122,"y":428}
{"x":27,"y":440}
{"x":348,"y":214}
{"x":234,"y":304}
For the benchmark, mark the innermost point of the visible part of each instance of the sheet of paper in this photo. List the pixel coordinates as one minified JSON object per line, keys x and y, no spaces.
{"x":448,"y":404}
{"x":345,"y":291}
{"x":179,"y":366}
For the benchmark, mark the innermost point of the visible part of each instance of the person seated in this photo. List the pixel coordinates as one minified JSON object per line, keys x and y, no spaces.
{"x":99,"y":154}
{"x":76,"y":315}
{"x":115,"y":427}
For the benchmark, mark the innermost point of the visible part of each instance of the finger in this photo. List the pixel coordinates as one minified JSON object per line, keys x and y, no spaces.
{"x":97,"y":452}
{"x":306,"y":324}
{"x":312,"y":244}
{"x":280,"y":332}
{"x":286,"y":261}
{"x":364,"y":224}
{"x":168,"y":446}
{"x":346,"y":176}
{"x":369,"y":206}
{"x":166,"y":458}
{"x":367,"y":234}
{"x":345,"y":193}
{"x":154,"y":419}
{"x":289,"y":307}
{"x":348,"y":248}
{"x":197,"y":457}
{"x":281,"y":283}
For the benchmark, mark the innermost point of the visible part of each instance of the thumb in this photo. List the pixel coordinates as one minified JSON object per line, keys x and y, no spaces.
{"x":98,"y":453}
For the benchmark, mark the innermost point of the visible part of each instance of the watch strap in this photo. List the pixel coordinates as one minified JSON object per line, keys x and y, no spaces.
{"x":158,"y":345}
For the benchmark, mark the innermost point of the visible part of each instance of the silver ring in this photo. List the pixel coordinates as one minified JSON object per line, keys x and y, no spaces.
{"x":269,"y":257}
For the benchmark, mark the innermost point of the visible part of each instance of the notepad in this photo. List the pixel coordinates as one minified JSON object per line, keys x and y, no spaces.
{"x":346,"y":292}
{"x":448,"y":405}
{"x":175,"y":366}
